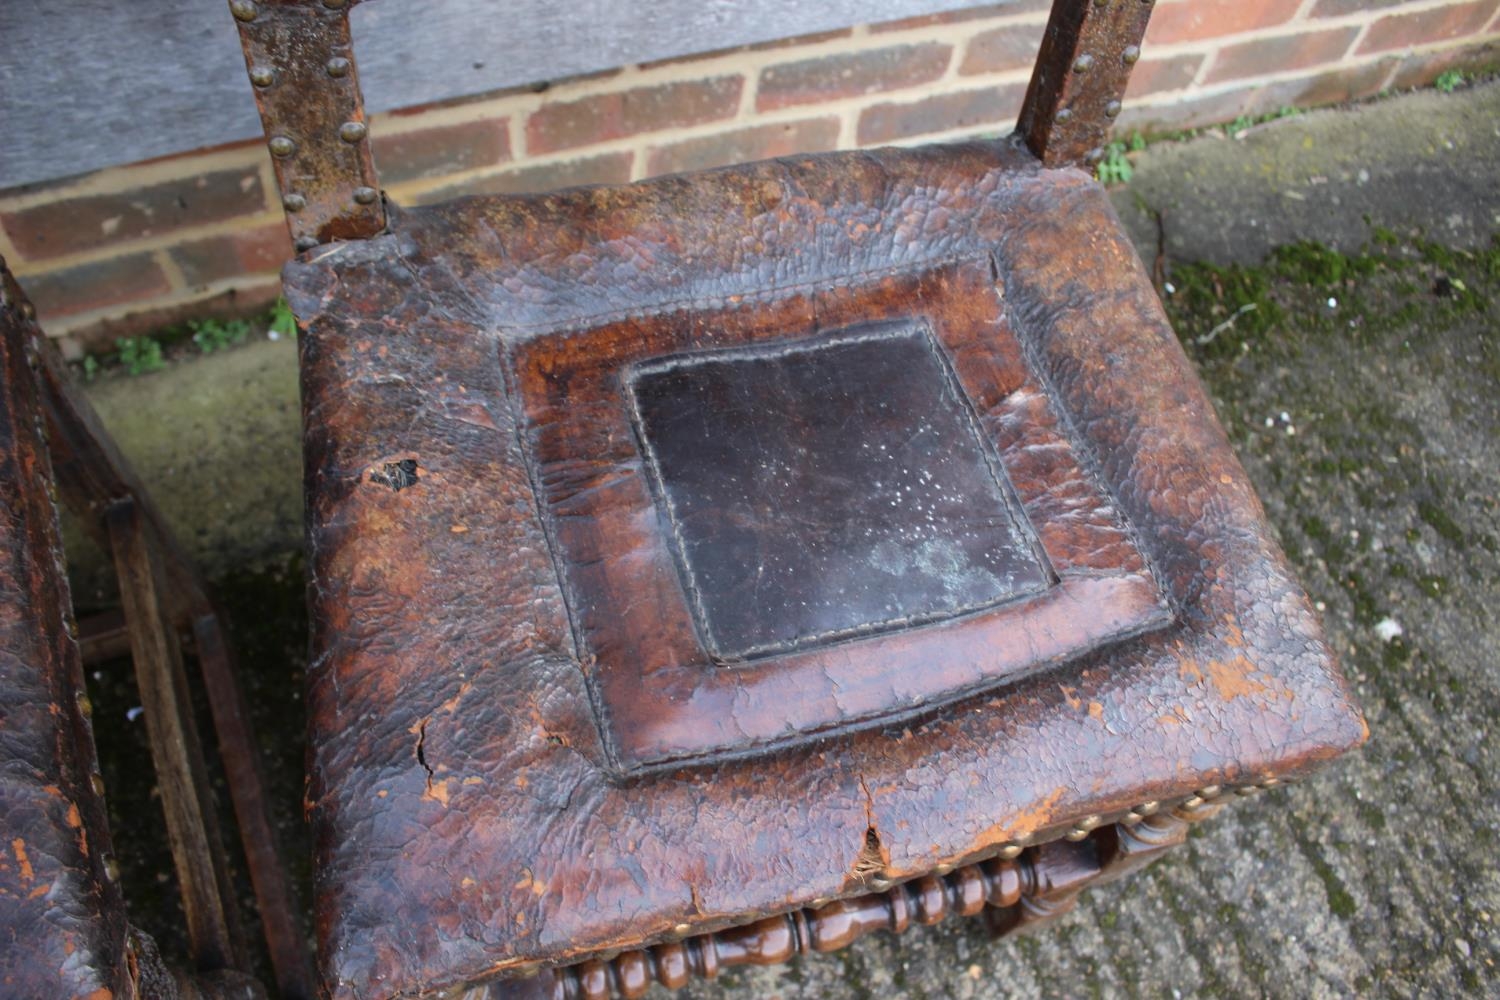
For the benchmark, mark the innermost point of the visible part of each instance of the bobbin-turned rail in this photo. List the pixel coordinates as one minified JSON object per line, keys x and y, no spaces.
{"x":1017,"y":890}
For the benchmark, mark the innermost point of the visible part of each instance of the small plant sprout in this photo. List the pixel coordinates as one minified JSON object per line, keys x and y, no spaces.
{"x":1449,"y":81}
{"x":1115,"y":168}
{"x":212,"y":334}
{"x":139,"y":355}
{"x":282,"y":322}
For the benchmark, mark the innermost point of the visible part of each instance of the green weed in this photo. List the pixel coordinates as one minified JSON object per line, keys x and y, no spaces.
{"x":140,"y":355}
{"x":1449,"y":81}
{"x":216,"y":334}
{"x":282,"y":321}
{"x":1115,"y":168}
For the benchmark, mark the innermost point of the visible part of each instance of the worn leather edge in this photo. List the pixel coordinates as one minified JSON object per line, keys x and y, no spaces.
{"x":63,"y":917}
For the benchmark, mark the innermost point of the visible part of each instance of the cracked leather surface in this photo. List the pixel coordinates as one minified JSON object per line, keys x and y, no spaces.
{"x":62,"y":921}
{"x":467,"y":815}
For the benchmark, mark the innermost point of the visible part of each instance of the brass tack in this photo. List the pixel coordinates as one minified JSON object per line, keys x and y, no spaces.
{"x":243,"y":10}
{"x":304,"y":243}
{"x":338,"y":66}
{"x":1010,"y":851}
{"x":1066,"y":114}
{"x":352,"y":131}
{"x":1271,"y":782}
{"x":1147,"y":808}
{"x":1193,"y":802}
{"x":943,"y":869}
{"x":1131,"y":818}
{"x":1076,"y":835}
{"x":1209,"y":792}
{"x":282,"y":146}
{"x":366,"y":195}
{"x":1247,"y":790}
{"x":262,"y":76}
{"x":111,"y":868}
{"x":819,"y":903}
{"x":682,"y":928}
{"x":28,"y":311}
{"x":293,"y":203}
{"x":1131,"y":54}
{"x":85,"y":706}
{"x":1112,"y":109}
{"x":1082,"y":64}
{"x":96,"y":781}
{"x":880,"y":884}
{"x":527,"y":970}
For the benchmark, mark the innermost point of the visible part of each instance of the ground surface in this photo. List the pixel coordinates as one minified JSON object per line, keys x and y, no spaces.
{"x":1363,"y":395}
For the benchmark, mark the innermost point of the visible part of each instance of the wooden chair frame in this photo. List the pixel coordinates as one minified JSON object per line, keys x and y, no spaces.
{"x":163,"y":597}
{"x":301,"y":66}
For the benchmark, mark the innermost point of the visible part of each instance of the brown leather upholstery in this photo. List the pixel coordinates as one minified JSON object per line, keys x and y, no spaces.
{"x":62,"y":918}
{"x":707,"y":548}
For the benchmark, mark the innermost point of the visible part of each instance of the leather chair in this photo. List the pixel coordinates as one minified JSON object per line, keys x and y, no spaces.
{"x":718,"y":567}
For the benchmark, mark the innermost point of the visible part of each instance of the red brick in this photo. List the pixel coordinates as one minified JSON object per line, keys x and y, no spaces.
{"x":1003,"y":49}
{"x":849,"y":74}
{"x":1176,"y":116}
{"x":809,"y":135}
{"x":1332,"y":87}
{"x":1401,"y":31}
{"x":443,"y":149}
{"x":779,"y":43}
{"x":1338,"y":8}
{"x":92,"y":221}
{"x":1190,"y":20}
{"x":257,"y":251}
{"x":972,"y":109}
{"x":1282,"y":53}
{"x":791,"y":43}
{"x":606,"y":168}
{"x":1154,"y":76}
{"x":1337,"y":86}
{"x":569,"y":124}
{"x":959,"y":16}
{"x":1420,"y":70}
{"x":112,"y":282}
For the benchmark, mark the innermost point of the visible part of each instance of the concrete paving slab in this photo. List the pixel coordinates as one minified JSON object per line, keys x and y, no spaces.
{"x":1421,"y":162}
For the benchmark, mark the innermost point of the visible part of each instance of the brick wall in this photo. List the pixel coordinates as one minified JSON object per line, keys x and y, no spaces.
{"x":118,"y":251}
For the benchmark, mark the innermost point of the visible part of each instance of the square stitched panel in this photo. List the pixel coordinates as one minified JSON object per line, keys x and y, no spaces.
{"x":827,"y":488}
{"x":523,"y":747}
{"x":1029,"y":538}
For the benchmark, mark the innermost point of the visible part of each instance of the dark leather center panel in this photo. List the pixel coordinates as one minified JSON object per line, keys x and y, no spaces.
{"x":839,"y":505}
{"x":827,"y":488}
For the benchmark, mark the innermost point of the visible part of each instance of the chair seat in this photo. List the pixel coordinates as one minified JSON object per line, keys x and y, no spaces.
{"x":701,"y":549}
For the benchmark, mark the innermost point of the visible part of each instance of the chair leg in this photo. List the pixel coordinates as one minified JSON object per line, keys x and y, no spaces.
{"x":92,"y":477}
{"x":242,"y":768}
{"x":1079,"y":79}
{"x":176,"y":752}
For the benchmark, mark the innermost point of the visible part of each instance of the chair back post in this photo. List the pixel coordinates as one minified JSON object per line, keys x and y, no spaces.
{"x":1080,"y":76}
{"x":301,"y":66}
